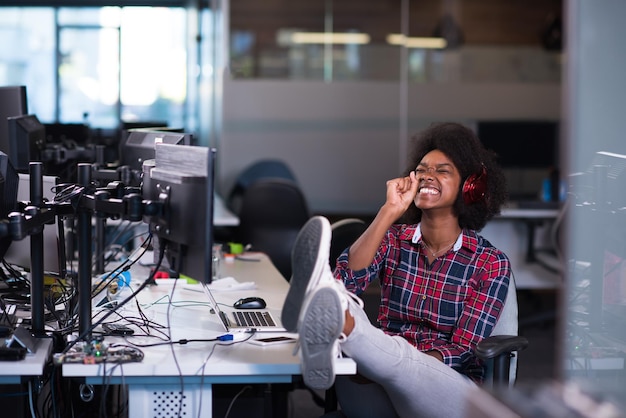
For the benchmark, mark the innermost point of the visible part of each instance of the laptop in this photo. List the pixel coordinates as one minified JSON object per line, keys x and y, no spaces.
{"x":246,"y":320}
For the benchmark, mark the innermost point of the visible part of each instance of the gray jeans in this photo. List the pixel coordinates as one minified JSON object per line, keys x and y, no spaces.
{"x":409,"y":383}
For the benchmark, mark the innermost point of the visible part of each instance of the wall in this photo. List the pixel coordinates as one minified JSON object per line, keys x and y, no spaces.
{"x":343,"y":139}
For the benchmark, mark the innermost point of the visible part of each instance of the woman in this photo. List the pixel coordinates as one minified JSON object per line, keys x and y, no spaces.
{"x":442,"y":286}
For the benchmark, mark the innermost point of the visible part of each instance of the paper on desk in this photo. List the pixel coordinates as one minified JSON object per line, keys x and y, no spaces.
{"x":229,"y":283}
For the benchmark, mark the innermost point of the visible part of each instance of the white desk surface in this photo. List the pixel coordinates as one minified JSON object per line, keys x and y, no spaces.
{"x":11,"y":372}
{"x":190,"y":318}
{"x":517,"y":213}
{"x":222,"y":216}
{"x":512,"y":230}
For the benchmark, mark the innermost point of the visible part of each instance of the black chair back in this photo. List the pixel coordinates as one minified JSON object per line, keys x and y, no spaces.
{"x":261,"y":169}
{"x":272,"y":213}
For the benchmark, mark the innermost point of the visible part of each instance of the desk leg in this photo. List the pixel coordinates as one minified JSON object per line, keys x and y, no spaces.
{"x":163,"y":400}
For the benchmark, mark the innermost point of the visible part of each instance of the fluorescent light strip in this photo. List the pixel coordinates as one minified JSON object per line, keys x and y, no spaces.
{"x":329,"y":38}
{"x":416,"y":42}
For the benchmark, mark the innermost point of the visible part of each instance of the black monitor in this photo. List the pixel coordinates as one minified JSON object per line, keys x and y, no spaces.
{"x":522,"y":143}
{"x":140,"y":143}
{"x":27,"y":137}
{"x":12,"y":103}
{"x":528,"y":152}
{"x":183,"y":178}
{"x":67,"y":133}
{"x":8,"y":196}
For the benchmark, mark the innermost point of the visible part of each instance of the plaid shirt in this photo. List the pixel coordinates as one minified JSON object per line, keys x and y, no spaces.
{"x":449,"y":305}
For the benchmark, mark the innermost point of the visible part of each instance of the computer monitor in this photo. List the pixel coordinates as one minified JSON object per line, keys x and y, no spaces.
{"x":522,"y":143}
{"x":12,"y":103}
{"x":528,"y":152}
{"x":27,"y":137}
{"x":18,"y":253}
{"x":8,"y":197}
{"x":140,"y":143}
{"x":183,"y":176}
{"x":67,"y":133}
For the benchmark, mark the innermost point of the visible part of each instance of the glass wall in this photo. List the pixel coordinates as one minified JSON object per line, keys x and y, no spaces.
{"x":446,"y":41}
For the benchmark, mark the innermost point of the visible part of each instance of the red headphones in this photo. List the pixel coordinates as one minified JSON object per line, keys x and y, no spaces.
{"x":475,"y":187}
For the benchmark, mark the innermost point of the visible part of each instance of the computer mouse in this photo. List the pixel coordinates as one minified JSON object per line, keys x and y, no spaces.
{"x":251,"y":302}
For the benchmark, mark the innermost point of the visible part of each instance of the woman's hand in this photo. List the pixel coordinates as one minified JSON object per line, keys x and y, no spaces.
{"x":401,"y":192}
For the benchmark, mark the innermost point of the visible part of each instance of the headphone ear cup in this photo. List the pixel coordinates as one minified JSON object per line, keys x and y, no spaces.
{"x":475,"y":187}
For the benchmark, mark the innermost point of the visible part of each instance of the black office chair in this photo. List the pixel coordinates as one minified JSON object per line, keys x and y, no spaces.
{"x":344,"y":233}
{"x":261,"y":169}
{"x":500,"y":349}
{"x":272,"y":213}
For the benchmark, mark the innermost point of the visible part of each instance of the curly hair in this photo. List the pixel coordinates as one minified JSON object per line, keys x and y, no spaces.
{"x":462,"y":146}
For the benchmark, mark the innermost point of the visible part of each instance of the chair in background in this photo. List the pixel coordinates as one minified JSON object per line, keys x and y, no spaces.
{"x":261,"y":169}
{"x":344,"y":233}
{"x":272,"y":213}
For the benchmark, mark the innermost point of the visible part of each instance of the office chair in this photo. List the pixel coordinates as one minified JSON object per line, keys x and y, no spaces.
{"x":344,"y":233}
{"x":272,"y":213}
{"x":261,"y":169}
{"x":500,"y":349}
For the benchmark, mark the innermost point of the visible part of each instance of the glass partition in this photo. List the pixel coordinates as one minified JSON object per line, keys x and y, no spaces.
{"x":447,"y":41}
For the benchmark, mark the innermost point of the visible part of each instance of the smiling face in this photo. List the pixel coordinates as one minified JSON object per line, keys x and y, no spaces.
{"x":438,"y":181}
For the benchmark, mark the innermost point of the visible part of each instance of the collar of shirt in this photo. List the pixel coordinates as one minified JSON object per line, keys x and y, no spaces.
{"x":417,"y":236}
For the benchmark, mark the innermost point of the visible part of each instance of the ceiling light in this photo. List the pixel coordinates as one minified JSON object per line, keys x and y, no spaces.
{"x":416,"y":42}
{"x":329,"y":38}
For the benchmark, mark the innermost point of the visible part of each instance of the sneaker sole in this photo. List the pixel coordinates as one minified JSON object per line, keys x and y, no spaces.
{"x":322,"y":324}
{"x":307,"y":265}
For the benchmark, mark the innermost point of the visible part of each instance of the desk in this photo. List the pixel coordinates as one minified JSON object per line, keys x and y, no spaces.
{"x":519,"y":233}
{"x":155,"y":384}
{"x":13,"y":372}
{"x":222,"y":216}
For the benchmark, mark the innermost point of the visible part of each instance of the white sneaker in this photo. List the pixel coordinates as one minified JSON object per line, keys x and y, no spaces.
{"x":310,"y":266}
{"x":320,"y":328}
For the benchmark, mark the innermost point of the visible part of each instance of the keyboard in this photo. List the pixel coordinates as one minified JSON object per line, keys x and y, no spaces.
{"x":254,"y":319}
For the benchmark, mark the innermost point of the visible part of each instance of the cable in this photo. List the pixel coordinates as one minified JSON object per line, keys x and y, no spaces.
{"x":119,"y":305}
{"x":235,"y":398}
{"x":30,"y":399}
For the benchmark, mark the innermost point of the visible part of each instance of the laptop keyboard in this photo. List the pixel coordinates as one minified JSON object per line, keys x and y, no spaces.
{"x":253,"y":319}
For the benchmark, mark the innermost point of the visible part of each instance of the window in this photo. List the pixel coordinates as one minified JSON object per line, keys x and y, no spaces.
{"x":114,"y":63}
